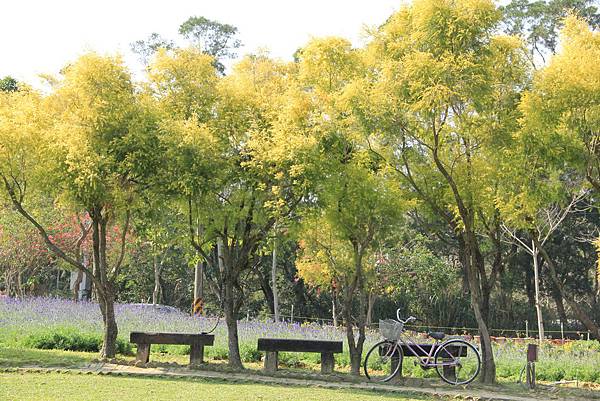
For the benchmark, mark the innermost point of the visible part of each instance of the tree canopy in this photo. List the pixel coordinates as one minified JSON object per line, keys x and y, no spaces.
{"x":451,"y":160}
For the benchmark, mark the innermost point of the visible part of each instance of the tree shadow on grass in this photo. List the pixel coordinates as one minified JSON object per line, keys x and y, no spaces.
{"x":24,"y":357}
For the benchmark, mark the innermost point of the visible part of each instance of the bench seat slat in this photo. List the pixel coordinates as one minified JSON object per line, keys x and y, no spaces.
{"x":171,"y":338}
{"x":295,"y":345}
{"x":455,"y":350}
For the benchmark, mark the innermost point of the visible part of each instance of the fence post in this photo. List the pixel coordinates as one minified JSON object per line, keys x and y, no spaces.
{"x":588,"y":336}
{"x":526,"y":329}
{"x":562,"y":332}
{"x":292,"y":316}
{"x":531,"y":359}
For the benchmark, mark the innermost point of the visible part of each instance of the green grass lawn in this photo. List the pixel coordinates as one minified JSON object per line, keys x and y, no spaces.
{"x":55,"y":386}
{"x":20,"y":357}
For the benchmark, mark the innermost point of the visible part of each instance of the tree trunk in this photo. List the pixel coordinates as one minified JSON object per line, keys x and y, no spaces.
{"x":530,"y":289}
{"x":104,"y":291}
{"x":354,"y":347}
{"x":371,"y":303}
{"x":81,"y":259}
{"x":199,"y":280}
{"x":274,"y":282}
{"x":473,"y":263}
{"x":560,"y":305}
{"x":596,"y":288}
{"x":229,"y":305}
{"x":596,"y":296}
{"x":465,"y":280}
{"x":558,"y":301}
{"x":109,"y":346}
{"x":8,"y":281}
{"x":265,"y":287}
{"x":157,"y":289}
{"x":58,"y":271}
{"x":536,"y":280}
{"x":235,"y":360}
{"x":488,"y":366}
{"x":589,"y":324}
{"x":333,"y":308}
{"x":76,"y":285}
{"x":20,"y":284}
{"x":356,"y":288}
{"x":199,"y":286}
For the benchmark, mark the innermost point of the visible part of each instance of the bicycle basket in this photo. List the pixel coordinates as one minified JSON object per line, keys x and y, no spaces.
{"x":390,"y":329}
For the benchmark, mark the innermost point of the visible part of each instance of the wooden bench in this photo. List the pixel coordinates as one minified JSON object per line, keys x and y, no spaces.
{"x":407,"y":353}
{"x":195,"y":341}
{"x":272,"y":347}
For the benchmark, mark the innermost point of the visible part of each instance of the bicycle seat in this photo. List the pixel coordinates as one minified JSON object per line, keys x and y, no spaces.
{"x":436,"y":335}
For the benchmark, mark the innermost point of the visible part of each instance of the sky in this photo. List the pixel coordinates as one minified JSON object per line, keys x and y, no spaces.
{"x":41,"y":36}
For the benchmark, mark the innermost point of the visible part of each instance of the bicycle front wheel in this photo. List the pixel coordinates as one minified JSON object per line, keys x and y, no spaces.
{"x":457,"y":362}
{"x":383,"y":361}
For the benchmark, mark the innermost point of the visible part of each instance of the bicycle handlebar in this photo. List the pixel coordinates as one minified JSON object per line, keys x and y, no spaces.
{"x":407,"y":320}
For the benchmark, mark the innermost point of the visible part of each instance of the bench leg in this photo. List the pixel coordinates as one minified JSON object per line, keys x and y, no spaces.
{"x":271,"y":359}
{"x":395,"y":362}
{"x":449,"y":372}
{"x":143,"y":353}
{"x":327,"y":363}
{"x":196,"y":354}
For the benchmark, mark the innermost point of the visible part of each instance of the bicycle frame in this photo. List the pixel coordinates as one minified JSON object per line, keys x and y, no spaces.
{"x":443,"y":354}
{"x":424,"y":361}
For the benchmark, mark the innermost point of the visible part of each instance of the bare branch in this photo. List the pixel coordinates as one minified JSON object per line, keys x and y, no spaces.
{"x":516,"y":240}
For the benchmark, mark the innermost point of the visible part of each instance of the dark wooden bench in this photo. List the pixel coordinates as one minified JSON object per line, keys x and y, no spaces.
{"x":272,"y":347}
{"x":407,"y":353}
{"x":195,"y":341}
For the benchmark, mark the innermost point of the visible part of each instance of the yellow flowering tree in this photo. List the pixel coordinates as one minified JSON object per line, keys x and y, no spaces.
{"x":560,"y":129}
{"x":86,"y":145}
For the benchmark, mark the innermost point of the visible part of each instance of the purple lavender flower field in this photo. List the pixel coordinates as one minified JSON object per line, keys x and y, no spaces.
{"x":20,"y":318}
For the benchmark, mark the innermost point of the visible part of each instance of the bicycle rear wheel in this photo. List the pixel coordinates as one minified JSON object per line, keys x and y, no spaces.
{"x":383,"y":361}
{"x":457,"y":362}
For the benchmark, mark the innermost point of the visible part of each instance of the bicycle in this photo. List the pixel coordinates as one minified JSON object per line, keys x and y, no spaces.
{"x":455,"y":360}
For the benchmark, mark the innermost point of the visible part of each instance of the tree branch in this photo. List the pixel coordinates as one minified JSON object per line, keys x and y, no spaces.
{"x":117,"y":268}
{"x":51,"y":245}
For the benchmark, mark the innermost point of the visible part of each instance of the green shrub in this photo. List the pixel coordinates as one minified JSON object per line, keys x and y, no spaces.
{"x":550,"y":372}
{"x":508,"y":369}
{"x":71,"y":340}
{"x":313,"y":358}
{"x":342,"y":359}
{"x":171,"y":349}
{"x":291,"y":360}
{"x":249,"y":353}
{"x":218,"y":353}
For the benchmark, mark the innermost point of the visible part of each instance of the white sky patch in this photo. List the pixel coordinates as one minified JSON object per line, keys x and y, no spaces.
{"x":41,"y":36}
